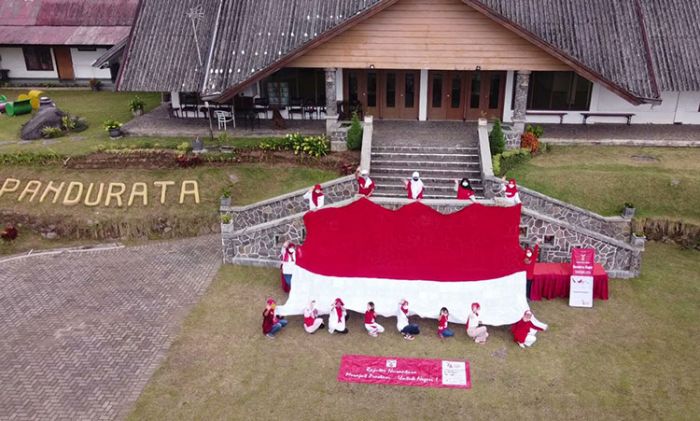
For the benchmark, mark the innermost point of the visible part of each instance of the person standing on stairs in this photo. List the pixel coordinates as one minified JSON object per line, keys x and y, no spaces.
{"x":414,"y":186}
{"x":365,"y":184}
{"x":464,"y":190}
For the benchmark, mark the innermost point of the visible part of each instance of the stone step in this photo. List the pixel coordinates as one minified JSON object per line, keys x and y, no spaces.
{"x":430,"y":157}
{"x":427,"y":172}
{"x":385,"y":178}
{"x":427,"y":149}
{"x":426,"y":195}
{"x":442,"y":188}
{"x":418,"y":164}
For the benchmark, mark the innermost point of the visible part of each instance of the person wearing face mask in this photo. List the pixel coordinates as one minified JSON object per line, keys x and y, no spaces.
{"x":510,"y":192}
{"x":271,"y":323}
{"x":312,"y":322}
{"x":464,"y":190}
{"x":315,"y":197}
{"x":414,"y":186}
{"x":474,"y":331}
{"x":405,"y":328}
{"x":365,"y":184}
{"x":530,"y":256}
{"x":289,"y":258}
{"x":337,"y":317}
{"x":525,"y":329}
{"x":373,"y":328}
{"x":443,"y":330}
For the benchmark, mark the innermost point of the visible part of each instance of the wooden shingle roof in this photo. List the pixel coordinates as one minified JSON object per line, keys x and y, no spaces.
{"x":636,"y":48}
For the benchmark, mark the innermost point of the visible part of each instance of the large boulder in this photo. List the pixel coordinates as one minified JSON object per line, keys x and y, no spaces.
{"x":45,"y":117}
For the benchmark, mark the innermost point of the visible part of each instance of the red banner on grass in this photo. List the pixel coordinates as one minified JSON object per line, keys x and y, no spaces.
{"x":418,"y":372}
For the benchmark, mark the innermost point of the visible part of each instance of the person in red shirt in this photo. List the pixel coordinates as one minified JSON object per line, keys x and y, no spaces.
{"x":315,"y":197}
{"x":464,"y":190}
{"x":443,"y":330}
{"x":525,"y":329}
{"x":289,"y":259}
{"x":510,"y":192}
{"x":373,"y":328}
{"x":530,"y":257}
{"x":271,"y":324}
{"x":365,"y":184}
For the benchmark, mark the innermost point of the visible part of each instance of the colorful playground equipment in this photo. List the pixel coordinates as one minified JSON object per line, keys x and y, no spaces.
{"x":24,"y":104}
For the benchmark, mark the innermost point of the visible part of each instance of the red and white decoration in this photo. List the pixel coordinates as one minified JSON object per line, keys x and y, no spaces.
{"x":363,"y":252}
{"x":419,"y":372}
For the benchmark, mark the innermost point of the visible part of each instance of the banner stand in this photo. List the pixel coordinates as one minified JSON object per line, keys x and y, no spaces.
{"x":581,"y":282}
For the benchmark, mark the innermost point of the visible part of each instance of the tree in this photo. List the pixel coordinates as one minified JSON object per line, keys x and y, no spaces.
{"x":355,"y":134}
{"x":497,"y":140}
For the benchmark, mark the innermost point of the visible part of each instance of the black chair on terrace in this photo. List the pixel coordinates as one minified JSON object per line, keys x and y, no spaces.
{"x":310,"y":109}
{"x":261,"y":106}
{"x":295,"y":107}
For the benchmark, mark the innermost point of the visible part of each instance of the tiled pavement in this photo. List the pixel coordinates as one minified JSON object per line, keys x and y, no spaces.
{"x":82,"y":333}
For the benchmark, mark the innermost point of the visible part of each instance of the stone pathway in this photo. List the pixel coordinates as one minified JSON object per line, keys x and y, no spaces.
{"x":82,"y":333}
{"x":424,"y":133}
{"x":661,"y":133}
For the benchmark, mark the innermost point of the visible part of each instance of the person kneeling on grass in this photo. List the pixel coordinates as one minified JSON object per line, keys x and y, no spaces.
{"x":337,"y":317}
{"x":443,"y":330}
{"x":525,"y":329}
{"x":373,"y":328}
{"x":271,"y":324}
{"x":407,"y":330}
{"x":478,"y":333}
{"x":312,"y":322}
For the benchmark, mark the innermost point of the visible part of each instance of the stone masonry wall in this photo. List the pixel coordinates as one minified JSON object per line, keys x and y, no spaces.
{"x":289,"y":204}
{"x":615,"y":227}
{"x":262,"y":244}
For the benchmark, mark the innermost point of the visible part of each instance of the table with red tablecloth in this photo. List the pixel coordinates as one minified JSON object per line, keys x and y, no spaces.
{"x":552,"y":280}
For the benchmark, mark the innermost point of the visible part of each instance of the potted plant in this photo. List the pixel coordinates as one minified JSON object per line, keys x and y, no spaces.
{"x":136,"y":106}
{"x":628,"y":211}
{"x":95,"y":84}
{"x":226,"y":223}
{"x":113,"y":127}
{"x":638,"y":239}
{"x":225,"y":198}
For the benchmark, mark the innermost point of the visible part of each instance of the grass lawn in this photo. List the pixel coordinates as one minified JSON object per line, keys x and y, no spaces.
{"x":632,"y":357}
{"x":254,"y":183}
{"x":660,"y":182}
{"x":96,"y":107}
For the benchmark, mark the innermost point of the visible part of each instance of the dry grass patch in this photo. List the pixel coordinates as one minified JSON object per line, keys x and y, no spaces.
{"x":631,"y":357}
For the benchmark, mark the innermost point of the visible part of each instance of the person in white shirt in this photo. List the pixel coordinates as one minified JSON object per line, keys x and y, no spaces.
{"x":337,"y":317}
{"x":312,"y":322}
{"x":474,"y":331}
{"x":407,"y":329}
{"x":315,"y":197}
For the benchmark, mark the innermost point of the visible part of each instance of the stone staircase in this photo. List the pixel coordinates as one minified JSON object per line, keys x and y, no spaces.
{"x":439,"y":166}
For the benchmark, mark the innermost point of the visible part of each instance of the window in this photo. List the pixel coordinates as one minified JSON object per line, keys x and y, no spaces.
{"x":495,"y":91}
{"x":559,"y":91}
{"x":523,"y":230}
{"x":391,"y":90}
{"x":409,"y":101}
{"x":475,"y":94}
{"x":372,"y":89}
{"x":38,"y":58}
{"x":437,"y":90}
{"x":87,"y":48}
{"x":455,"y":101}
{"x":352,"y":87}
{"x":548,"y":240}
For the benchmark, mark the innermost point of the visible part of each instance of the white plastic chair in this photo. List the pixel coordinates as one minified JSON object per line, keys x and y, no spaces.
{"x":223,"y":118}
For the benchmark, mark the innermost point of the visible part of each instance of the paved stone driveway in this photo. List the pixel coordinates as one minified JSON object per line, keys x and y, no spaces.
{"x":82,"y":333}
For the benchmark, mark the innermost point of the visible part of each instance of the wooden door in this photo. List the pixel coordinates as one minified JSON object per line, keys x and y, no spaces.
{"x":485,"y":95}
{"x":409,"y":97}
{"x":455,"y":96}
{"x":436,"y":95}
{"x":399,"y":94}
{"x":446,"y":95}
{"x":64,"y":63}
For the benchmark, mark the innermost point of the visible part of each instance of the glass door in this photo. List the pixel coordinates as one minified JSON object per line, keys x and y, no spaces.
{"x":485,"y":95}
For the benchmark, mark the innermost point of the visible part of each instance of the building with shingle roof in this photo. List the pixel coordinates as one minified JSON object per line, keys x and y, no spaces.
{"x":566,"y":61}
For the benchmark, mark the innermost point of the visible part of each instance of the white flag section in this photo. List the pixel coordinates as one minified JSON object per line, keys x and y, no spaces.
{"x":581,"y":291}
{"x":502,"y":300}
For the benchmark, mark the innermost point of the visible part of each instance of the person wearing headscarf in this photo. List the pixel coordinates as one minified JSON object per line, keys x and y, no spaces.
{"x":312,"y":322}
{"x":530,"y":257}
{"x":414,"y":186}
{"x":443,"y":320}
{"x":510,"y":192}
{"x":474,"y":331}
{"x":271,"y":324}
{"x":365,"y":184}
{"x":289,"y":258}
{"x":464,"y":190}
{"x":315,"y":197}
{"x":407,"y":329}
{"x":373,"y":328}
{"x":337,"y":317}
{"x":525,"y":329}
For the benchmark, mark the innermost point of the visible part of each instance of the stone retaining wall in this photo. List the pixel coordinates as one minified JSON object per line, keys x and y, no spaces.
{"x":260,"y":245}
{"x":289,"y":204}
{"x":615,"y":227}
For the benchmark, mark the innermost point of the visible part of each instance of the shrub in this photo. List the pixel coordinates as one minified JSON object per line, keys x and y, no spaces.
{"x":497,"y":140}
{"x":184,"y":147}
{"x":314,"y":146}
{"x":502,"y":163}
{"x":68,"y":123}
{"x":10,"y":233}
{"x":538,"y":131}
{"x":226,"y":193}
{"x":136,"y":104}
{"x":187,"y":161}
{"x":529,"y":141}
{"x":226,"y":218}
{"x":51,"y":132}
{"x":292,"y":141}
{"x":30,"y":158}
{"x":354,"y":141}
{"x":111,"y":124}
